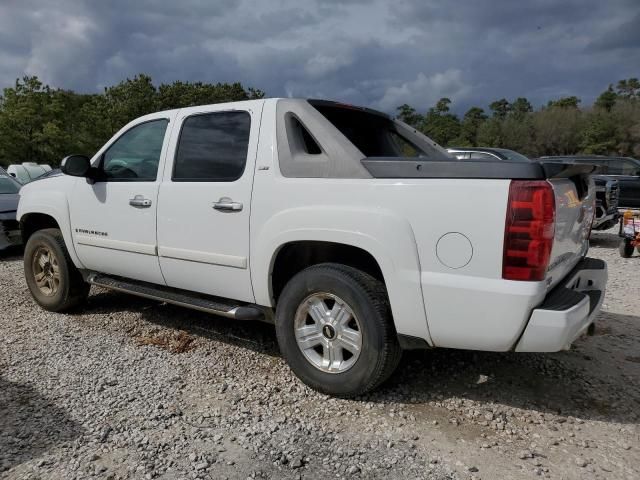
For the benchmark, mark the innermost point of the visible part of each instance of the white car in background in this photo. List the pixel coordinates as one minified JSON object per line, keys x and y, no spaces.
{"x":27,"y":171}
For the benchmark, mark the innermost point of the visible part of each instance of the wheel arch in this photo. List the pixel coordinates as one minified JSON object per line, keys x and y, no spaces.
{"x":385,"y":241}
{"x":36,"y":215}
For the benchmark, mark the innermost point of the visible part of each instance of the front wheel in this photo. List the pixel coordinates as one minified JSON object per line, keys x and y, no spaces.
{"x":335,"y":330}
{"x":625,"y":248}
{"x":54,"y":281}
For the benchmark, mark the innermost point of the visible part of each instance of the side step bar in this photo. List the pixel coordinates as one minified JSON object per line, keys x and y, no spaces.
{"x":183,"y":298}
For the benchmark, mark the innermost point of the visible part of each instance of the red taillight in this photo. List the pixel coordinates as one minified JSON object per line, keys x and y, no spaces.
{"x":529,"y":230}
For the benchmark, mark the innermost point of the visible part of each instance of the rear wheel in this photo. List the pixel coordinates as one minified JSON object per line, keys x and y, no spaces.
{"x":335,"y":330}
{"x":54,"y":281}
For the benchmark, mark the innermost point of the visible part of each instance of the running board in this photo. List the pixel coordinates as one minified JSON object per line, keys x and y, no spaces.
{"x":183,"y":298}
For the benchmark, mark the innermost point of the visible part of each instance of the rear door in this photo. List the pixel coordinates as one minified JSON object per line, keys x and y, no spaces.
{"x":205,"y":200}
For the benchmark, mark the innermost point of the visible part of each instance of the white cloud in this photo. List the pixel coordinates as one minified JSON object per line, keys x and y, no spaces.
{"x":425,"y":90}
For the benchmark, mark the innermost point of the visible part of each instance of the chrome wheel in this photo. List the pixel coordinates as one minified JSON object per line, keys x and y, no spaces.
{"x":328,"y":333}
{"x":46,"y":271}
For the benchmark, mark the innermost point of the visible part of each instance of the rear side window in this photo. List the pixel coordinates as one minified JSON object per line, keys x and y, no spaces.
{"x":212,"y":147}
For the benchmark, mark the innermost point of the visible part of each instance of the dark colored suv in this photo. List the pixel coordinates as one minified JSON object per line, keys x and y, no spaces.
{"x":625,"y":170}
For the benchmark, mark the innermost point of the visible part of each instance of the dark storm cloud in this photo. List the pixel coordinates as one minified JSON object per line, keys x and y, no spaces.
{"x":371,"y":52}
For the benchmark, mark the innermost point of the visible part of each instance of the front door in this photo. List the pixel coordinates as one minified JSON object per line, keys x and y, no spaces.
{"x":114,"y":219}
{"x":205,"y":201}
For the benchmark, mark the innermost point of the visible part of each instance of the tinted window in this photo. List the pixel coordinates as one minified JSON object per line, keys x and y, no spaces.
{"x":8,"y":185}
{"x":482,"y":156}
{"x":213,"y":147}
{"x":375,"y":135}
{"x":136,"y":154}
{"x":403,"y":146}
{"x":622,"y":167}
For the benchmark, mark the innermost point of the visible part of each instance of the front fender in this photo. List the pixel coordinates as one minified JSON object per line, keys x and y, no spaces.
{"x":388,"y":238}
{"x":39,"y":197}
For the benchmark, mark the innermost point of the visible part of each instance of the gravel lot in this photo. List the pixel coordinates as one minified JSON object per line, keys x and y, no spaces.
{"x":129,"y":388}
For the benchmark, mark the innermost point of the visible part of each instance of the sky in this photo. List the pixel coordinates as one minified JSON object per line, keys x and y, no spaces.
{"x":375,"y":53}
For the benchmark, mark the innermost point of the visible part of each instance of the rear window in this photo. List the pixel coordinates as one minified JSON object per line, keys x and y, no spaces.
{"x":374,"y":134}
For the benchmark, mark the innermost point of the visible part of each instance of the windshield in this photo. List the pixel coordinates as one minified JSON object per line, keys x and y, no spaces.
{"x":8,"y":186}
{"x":511,"y":155}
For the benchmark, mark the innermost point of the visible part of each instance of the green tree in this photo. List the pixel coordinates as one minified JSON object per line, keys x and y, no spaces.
{"x":607,"y":99}
{"x":41,"y":124}
{"x":521,"y":107}
{"x":629,"y":88}
{"x":500,"y":108}
{"x":440,"y":124}
{"x":409,"y":115}
{"x":565,"y":102}
{"x":473,"y":118}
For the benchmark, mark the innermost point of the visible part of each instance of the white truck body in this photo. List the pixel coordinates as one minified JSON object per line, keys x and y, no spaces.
{"x":438,"y":241}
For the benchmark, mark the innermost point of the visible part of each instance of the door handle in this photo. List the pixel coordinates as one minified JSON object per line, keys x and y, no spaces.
{"x":140,"y":202}
{"x":227,"y":205}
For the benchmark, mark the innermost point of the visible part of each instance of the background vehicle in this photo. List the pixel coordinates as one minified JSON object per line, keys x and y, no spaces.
{"x":354,"y":233}
{"x":606,"y":215}
{"x":9,"y":196}
{"x":625,"y":170}
{"x":486,"y":153}
{"x":27,"y":171}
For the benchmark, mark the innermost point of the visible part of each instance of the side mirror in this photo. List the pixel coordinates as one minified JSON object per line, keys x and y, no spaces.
{"x":13,"y":174}
{"x":76,"y":165}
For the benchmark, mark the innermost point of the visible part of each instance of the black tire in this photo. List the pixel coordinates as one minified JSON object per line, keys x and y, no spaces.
{"x":625,"y":248}
{"x":367,"y":298}
{"x":71,"y":289}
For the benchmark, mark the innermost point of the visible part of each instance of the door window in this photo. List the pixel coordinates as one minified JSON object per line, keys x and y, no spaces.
{"x":212,"y":147}
{"x":135,"y":156}
{"x":622,"y":167}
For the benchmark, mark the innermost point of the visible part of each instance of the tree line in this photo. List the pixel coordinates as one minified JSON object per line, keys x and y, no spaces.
{"x":43,"y":124}
{"x":611,"y":126}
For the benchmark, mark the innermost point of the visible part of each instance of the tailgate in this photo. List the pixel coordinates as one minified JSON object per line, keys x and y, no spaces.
{"x":575,"y":203}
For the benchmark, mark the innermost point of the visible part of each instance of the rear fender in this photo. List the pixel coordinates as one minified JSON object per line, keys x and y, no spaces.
{"x":388,"y":238}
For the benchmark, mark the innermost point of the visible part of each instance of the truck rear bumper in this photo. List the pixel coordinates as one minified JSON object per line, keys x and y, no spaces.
{"x":567,"y":311}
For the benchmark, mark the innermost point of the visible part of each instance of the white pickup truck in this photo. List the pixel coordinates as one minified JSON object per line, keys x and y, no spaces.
{"x":356,"y":235}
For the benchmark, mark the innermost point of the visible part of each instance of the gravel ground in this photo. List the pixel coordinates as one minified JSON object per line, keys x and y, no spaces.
{"x":129,"y":388}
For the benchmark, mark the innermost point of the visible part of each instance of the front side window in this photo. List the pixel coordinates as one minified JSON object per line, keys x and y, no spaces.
{"x":213,"y":147}
{"x":136,"y":154}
